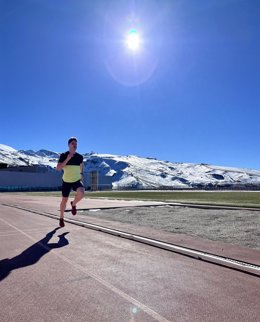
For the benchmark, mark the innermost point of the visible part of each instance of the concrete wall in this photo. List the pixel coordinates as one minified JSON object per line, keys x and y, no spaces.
{"x":22,"y":180}
{"x":30,"y":179}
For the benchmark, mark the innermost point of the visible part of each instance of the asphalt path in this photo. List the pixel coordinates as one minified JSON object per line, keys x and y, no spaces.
{"x":77,"y":274}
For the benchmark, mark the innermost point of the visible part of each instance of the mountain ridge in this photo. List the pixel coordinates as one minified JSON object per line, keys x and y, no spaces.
{"x":137,"y":172}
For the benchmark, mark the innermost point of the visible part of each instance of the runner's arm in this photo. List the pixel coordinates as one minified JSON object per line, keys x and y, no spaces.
{"x":61,"y":165}
{"x":82,"y":170}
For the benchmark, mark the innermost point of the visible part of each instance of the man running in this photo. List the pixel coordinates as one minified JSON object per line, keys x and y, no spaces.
{"x":71,"y":163}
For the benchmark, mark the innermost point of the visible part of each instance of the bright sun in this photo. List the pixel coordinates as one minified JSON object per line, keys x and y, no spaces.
{"x":133,"y":40}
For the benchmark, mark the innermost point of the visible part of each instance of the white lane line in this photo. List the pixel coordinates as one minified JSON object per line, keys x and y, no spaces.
{"x":111,"y":287}
{"x":11,"y":233}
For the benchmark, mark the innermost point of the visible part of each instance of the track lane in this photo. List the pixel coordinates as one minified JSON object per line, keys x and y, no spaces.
{"x":171,"y":285}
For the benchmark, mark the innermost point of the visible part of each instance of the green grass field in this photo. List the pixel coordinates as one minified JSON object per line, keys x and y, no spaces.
{"x":234,"y":198}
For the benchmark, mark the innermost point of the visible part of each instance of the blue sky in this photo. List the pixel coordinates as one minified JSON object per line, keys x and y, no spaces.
{"x":190,"y":94}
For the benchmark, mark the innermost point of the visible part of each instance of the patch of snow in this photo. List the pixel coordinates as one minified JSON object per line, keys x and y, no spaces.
{"x":7,"y":148}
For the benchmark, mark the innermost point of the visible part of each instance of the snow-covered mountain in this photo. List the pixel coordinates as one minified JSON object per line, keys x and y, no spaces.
{"x":14,"y":157}
{"x":41,"y":153}
{"x":133,"y":171}
{"x":136,"y":172}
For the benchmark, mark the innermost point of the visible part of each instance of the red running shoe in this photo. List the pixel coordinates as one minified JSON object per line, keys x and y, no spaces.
{"x":73,"y":209}
{"x":62,"y":222}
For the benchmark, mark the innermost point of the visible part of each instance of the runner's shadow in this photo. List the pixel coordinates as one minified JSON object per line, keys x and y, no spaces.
{"x":31,"y":255}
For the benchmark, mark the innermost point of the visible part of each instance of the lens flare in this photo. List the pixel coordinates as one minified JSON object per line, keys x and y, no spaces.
{"x":134,"y":310}
{"x":133,"y":40}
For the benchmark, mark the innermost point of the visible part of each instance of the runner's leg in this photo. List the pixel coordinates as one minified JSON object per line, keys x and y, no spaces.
{"x":79,"y":195}
{"x":63,"y":206}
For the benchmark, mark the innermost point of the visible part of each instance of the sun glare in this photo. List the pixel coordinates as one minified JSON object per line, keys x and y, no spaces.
{"x":133,"y":40}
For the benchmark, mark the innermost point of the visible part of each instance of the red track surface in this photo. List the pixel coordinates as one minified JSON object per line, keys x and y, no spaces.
{"x":76,"y":274}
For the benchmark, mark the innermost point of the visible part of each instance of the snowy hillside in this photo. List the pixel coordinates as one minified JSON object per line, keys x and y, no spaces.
{"x":40,"y":153}
{"x":133,"y":171}
{"x":22,"y":158}
{"x":136,"y":172}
